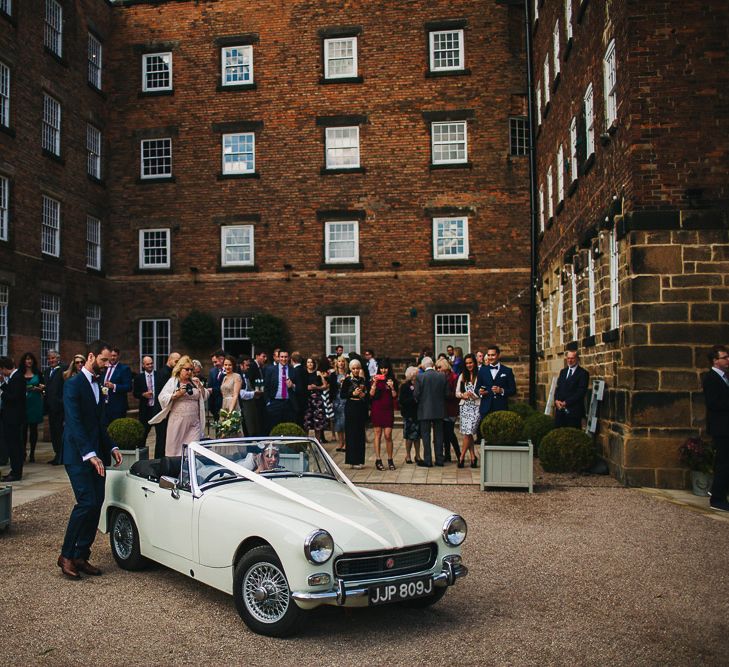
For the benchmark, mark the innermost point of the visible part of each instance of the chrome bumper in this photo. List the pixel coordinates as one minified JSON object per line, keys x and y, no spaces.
{"x":340,"y":594}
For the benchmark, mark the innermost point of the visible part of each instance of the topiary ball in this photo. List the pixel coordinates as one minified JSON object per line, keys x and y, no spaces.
{"x":127,"y":433}
{"x":524,"y":410}
{"x":288,"y":428}
{"x":536,"y":427}
{"x":501,"y":428}
{"x":566,"y":450}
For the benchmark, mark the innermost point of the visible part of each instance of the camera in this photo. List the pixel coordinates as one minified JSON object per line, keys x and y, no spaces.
{"x":188,"y":389}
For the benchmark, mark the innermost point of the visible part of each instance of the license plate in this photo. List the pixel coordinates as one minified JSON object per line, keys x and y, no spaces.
{"x":405,"y":589}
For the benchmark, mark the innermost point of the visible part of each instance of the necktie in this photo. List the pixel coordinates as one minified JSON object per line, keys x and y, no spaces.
{"x":284,"y":388}
{"x":150,"y":387}
{"x":220,"y":375}
{"x":569,"y":373}
{"x":109,"y":371}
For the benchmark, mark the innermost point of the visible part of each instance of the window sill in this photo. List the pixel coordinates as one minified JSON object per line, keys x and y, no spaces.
{"x":52,"y":259}
{"x":151,"y":269}
{"x":454,"y":165}
{"x":235,"y":87}
{"x":555,"y":83}
{"x":156,"y":93}
{"x":353,"y":170}
{"x":568,"y":49}
{"x":589,"y":341}
{"x":572,"y":188}
{"x":98,"y":91}
{"x":96,"y":272}
{"x":59,"y":59}
{"x":611,"y":336}
{"x":340,"y":266}
{"x":436,"y":74}
{"x":53,"y":156}
{"x":588,"y":163}
{"x":159,"y":179}
{"x":232,"y":177}
{"x":464,"y":261}
{"x":7,"y":130}
{"x":98,"y":181}
{"x":9,"y":18}
{"x":242,"y":268}
{"x":344,"y":79}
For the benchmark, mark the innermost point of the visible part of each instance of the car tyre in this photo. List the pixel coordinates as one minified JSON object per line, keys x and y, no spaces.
{"x":262,"y":594}
{"x":422,"y":603}
{"x":124,"y":541}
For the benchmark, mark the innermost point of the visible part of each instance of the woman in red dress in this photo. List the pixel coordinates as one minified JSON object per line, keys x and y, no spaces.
{"x":383,"y":392}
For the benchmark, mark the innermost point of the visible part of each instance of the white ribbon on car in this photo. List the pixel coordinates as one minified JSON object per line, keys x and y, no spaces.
{"x":200,"y":449}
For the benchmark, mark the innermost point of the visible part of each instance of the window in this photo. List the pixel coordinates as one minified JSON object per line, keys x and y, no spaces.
{"x":518,"y":136}
{"x":93,"y":322}
{"x":93,"y":243}
{"x":6,"y":6}
{"x":614,"y":284}
{"x":342,"y":330}
{"x":156,"y":158}
{"x":539,"y":102}
{"x":239,"y":153}
{"x":51,"y":125}
{"x":237,"y":245}
{"x":154,"y":340}
{"x":341,"y":242}
{"x":568,"y":18}
{"x":53,"y":35}
{"x":573,"y":149}
{"x":536,"y":10}
{"x":235,"y":329}
{"x":550,"y":314}
{"x":540,"y":327}
{"x":446,"y":50}
{"x":589,"y":123}
{"x":452,"y":329}
{"x":591,"y":292}
{"x":236,"y":65}
{"x":541,"y":208}
{"x":154,"y":248}
{"x":156,"y":71}
{"x":610,"y":78}
{"x":4,"y":95}
{"x":450,"y":238}
{"x":560,"y":174}
{"x":4,"y":207}
{"x":575,"y":332}
{"x":550,"y":194}
{"x":560,"y":314}
{"x":51,"y":227}
{"x":50,"y":323}
{"x":449,"y":142}
{"x":342,"y":147}
{"x":4,"y":292}
{"x":555,"y":49}
{"x":340,"y":57}
{"x":93,"y":149}
{"x":546,"y":79}
{"x":94,"y":57}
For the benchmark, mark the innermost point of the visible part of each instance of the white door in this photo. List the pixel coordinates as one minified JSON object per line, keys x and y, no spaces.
{"x":452,"y":329}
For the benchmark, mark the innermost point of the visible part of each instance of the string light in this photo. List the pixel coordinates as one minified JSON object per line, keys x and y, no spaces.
{"x":510,"y":300}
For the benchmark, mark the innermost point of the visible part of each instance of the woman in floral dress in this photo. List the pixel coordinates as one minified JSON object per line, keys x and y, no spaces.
{"x":469,"y":408}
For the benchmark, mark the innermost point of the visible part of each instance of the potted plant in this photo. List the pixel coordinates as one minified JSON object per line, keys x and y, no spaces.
{"x":128,"y":435}
{"x":698,"y":456}
{"x":6,"y":506}
{"x":506,"y":460}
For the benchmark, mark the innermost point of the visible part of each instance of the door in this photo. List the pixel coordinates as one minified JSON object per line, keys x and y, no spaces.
{"x":167,"y":521}
{"x":452,"y":329}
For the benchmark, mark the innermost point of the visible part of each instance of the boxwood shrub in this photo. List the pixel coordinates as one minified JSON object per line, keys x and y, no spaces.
{"x":566,"y":450}
{"x":524,"y":410}
{"x":502,"y":428}
{"x":287,"y":428}
{"x":127,"y":433}
{"x":536,"y":426}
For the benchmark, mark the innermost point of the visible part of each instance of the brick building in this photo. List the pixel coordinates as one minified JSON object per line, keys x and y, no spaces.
{"x":632,"y":145}
{"x":358,"y":169}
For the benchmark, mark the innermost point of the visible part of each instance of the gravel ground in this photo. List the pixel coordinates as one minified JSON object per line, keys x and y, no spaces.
{"x":582,"y":573}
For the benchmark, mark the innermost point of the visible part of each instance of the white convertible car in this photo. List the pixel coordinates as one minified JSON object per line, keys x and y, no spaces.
{"x":277,"y":524}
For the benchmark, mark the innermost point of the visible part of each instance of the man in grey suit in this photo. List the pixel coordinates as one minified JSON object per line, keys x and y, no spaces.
{"x":431,"y":389}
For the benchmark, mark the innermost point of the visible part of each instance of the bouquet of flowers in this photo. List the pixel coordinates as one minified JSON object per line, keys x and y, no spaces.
{"x":228,"y":423}
{"x":697,"y":455}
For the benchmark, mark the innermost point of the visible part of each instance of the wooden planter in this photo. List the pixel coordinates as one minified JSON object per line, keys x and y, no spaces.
{"x":130,"y":456}
{"x":6,"y":506}
{"x":510,"y":466}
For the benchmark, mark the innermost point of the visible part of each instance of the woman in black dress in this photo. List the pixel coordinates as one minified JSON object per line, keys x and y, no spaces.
{"x":354,"y":392}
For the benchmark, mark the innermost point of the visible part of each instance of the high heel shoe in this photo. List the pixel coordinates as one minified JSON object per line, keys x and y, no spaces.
{"x":378,"y":464}
{"x":408,"y":461}
{"x":460,"y":463}
{"x":474,"y":463}
{"x":391,"y":464}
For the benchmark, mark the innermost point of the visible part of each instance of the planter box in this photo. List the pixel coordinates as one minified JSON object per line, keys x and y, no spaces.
{"x":6,"y":506}
{"x":510,"y":466}
{"x":130,"y":456}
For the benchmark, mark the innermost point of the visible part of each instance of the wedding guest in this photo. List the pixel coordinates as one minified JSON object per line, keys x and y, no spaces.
{"x":215,"y":378}
{"x":74,"y":368}
{"x":383,"y":392}
{"x":409,"y":412}
{"x":457,"y":363}
{"x":495,"y":383}
{"x":451,"y":409}
{"x":33,"y":403}
{"x":431,"y":388}
{"x":336,"y":379}
{"x":230,"y":385}
{"x":12,"y":416}
{"x":469,"y":408}
{"x":314,"y":414}
{"x":354,"y":392}
{"x":197,"y":371}
{"x":569,"y":395}
{"x":325,"y":371}
{"x":248,"y":396}
{"x":480,"y":358}
{"x":53,"y":403}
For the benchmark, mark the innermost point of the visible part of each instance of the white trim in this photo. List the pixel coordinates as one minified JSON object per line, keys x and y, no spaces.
{"x":328,"y":241}
{"x":167,"y":246}
{"x":555,"y":49}
{"x":573,"y":149}
{"x":93,"y":242}
{"x":330,"y":338}
{"x":546,"y":79}
{"x":329,"y":42}
{"x":541,"y":208}
{"x":539,"y":103}
{"x":614,"y":280}
{"x":591,"y":293}
{"x":93,"y":322}
{"x":575,"y":314}
{"x":51,"y":126}
{"x":245,"y":53}
{"x":242,"y":139}
{"x":461,"y":51}
{"x":568,"y":18}
{"x":439,"y":337}
{"x":463,"y":238}
{"x":151,"y":159}
{"x":94,"y":56}
{"x":51,"y":227}
{"x":93,"y":150}
{"x":348,"y":143}
{"x":166,"y":58}
{"x":560,"y":174}
{"x":50,"y":324}
{"x":249,"y":242}
{"x":588,"y":101}
{"x":4,"y":298}
{"x":4,"y":207}
{"x":53,"y":27}
{"x":159,"y":356}
{"x":550,"y":193}
{"x":4,"y":95}
{"x":610,"y":84}
{"x":452,"y":126}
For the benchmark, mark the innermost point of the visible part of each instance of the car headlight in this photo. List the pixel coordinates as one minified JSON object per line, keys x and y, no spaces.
{"x":454,"y":530}
{"x":319,"y":547}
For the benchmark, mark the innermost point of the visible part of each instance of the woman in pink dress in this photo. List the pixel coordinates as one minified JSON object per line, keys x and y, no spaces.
{"x":383,"y":392}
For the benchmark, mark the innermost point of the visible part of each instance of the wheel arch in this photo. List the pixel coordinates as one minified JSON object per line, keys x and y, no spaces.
{"x":246,"y":545}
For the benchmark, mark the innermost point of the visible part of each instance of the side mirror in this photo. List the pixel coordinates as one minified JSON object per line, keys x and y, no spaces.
{"x":170,"y":484}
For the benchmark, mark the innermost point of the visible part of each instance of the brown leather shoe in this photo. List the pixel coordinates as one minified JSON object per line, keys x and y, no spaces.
{"x":84,"y":566}
{"x":68,"y":568}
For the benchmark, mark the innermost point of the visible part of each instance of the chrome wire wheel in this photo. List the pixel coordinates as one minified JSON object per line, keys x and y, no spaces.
{"x":123,"y":536}
{"x":266,"y":592}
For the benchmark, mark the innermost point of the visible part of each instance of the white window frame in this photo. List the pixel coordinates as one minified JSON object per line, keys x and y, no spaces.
{"x":610,"y":85}
{"x":541,"y":208}
{"x":614,"y":280}
{"x":149,"y":85}
{"x":550,"y":193}
{"x":4,"y":298}
{"x":518,"y":135}
{"x":588,"y":101}
{"x":568,"y":19}
{"x":444,"y":326}
{"x":573,"y":149}
{"x":437,"y":237}
{"x":231,"y":147}
{"x":332,"y":339}
{"x":550,"y":315}
{"x":50,"y":337}
{"x":560,"y":314}
{"x":53,"y":28}
{"x":4,"y":207}
{"x":7,"y":7}
{"x":575,"y":314}
{"x":432,"y":51}
{"x":93,"y":243}
{"x":546,"y":79}
{"x":93,"y":150}
{"x":555,"y":50}
{"x":536,"y":10}
{"x":591,"y":292}
{"x":235,"y":329}
{"x":4,"y":95}
{"x":350,"y":143}
{"x":539,"y":103}
{"x":143,"y":264}
{"x":51,"y":227}
{"x":540,"y":327}
{"x":329,"y":227}
{"x":249,"y":243}
{"x":94,"y":56}
{"x":153,"y":162}
{"x":329,"y":57}
{"x":93,"y":322}
{"x":232,"y":62}
{"x":160,"y":340}
{"x":434,"y":130}
{"x":560,"y":174}
{"x":51,"y":137}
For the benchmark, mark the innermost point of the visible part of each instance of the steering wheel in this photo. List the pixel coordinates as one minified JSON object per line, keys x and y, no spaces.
{"x":220,"y":472}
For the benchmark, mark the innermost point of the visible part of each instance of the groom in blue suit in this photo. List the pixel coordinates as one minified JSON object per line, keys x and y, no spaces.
{"x":495,"y":383}
{"x":87,"y":451}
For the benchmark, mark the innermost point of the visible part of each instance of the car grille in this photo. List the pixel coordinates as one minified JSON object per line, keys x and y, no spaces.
{"x":374,"y":564}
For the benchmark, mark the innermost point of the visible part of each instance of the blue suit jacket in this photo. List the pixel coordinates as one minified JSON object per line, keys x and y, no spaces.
{"x":491,"y":402}
{"x":216,"y":398}
{"x":116,"y":403}
{"x":85,"y":426}
{"x":270,"y":383}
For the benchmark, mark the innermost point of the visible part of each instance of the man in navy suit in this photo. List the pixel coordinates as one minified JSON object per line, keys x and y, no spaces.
{"x":495,"y":383}
{"x":117,"y":383}
{"x":87,"y":451}
{"x":146,"y":388}
{"x":569,"y":396}
{"x":12,"y":416}
{"x":53,"y":403}
{"x":716,"y":397}
{"x":280,"y":392}
{"x":215,"y":379}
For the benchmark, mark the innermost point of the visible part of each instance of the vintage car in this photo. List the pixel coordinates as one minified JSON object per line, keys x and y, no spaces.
{"x":276,"y":523}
